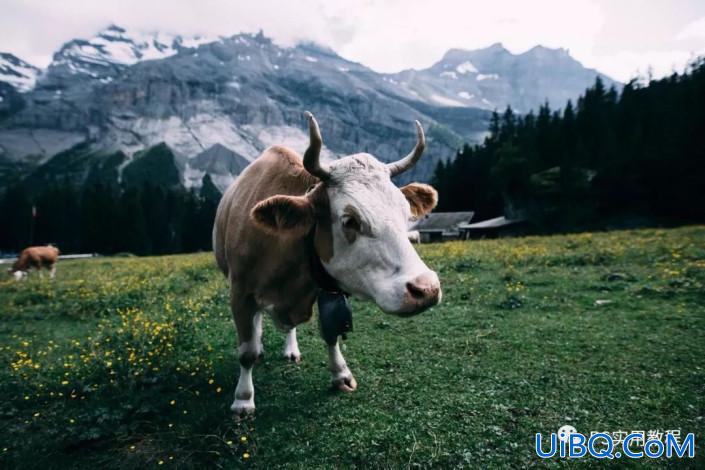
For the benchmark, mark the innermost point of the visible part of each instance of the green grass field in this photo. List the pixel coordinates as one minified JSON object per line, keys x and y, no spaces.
{"x":130,"y":362}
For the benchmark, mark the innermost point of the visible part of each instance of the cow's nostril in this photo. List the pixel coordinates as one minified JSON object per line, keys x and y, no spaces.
{"x":415,"y":291}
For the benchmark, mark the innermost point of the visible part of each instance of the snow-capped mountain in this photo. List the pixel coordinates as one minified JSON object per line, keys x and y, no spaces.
{"x":116,"y":45}
{"x":210,"y":105}
{"x":17,"y":72}
{"x":243,"y":93}
{"x":111,"y":50}
{"x":493,"y":78}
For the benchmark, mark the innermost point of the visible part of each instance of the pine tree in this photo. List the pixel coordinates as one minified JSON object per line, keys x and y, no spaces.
{"x":16,"y":209}
{"x":132,"y":227}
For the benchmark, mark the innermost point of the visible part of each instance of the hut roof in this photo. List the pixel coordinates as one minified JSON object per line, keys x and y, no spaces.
{"x":497,"y":222}
{"x":439,"y":221}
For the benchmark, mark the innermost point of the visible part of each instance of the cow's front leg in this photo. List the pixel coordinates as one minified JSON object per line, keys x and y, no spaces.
{"x":52,"y":271}
{"x":342,"y":378}
{"x":249,"y":331}
{"x":291,"y":347}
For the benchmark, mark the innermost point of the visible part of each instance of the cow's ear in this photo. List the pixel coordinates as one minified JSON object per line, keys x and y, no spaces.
{"x":293,"y":215}
{"x":422,"y":198}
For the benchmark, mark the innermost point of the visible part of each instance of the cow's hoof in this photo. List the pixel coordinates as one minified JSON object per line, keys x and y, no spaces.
{"x":345,"y":384}
{"x":292,"y":357}
{"x":242,"y":409}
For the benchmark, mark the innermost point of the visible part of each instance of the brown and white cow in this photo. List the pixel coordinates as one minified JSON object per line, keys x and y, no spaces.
{"x":348,"y":217}
{"x":36,"y":257}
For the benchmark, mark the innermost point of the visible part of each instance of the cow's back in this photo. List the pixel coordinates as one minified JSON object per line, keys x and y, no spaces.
{"x":245,"y":253}
{"x":36,"y":256}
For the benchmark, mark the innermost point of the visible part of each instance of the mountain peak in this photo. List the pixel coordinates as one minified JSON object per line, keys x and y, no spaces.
{"x":454,"y":55}
{"x":114,"y":28}
{"x":541,"y":51}
{"x":261,"y":38}
{"x":14,"y":60}
{"x":249,"y":39}
{"x":497,"y":46}
{"x":317,"y":48}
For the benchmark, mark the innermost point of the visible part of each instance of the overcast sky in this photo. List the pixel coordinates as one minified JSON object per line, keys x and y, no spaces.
{"x":617,"y":37}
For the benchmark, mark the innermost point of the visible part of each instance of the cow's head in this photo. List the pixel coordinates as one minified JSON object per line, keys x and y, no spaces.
{"x":17,"y":274}
{"x":361,"y":219}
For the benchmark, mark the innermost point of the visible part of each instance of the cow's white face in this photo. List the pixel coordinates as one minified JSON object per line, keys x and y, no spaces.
{"x":361,"y":232}
{"x":372,"y":256}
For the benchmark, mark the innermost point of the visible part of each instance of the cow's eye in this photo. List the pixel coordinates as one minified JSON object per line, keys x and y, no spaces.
{"x":351,"y":223}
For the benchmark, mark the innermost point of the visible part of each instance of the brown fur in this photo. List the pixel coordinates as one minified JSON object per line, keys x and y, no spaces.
{"x":323,"y":236}
{"x":36,"y":257}
{"x":422,"y":198}
{"x":293,"y":214}
{"x":264,"y":268}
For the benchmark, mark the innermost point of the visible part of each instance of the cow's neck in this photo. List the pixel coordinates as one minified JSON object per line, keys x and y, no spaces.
{"x":319,"y":274}
{"x":334,"y":314}
{"x":320,"y":240}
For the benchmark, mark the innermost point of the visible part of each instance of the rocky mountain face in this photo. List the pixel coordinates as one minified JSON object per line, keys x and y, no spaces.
{"x":208,"y":106}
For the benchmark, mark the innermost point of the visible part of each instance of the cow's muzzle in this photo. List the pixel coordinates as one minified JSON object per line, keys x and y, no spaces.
{"x":422,"y":292}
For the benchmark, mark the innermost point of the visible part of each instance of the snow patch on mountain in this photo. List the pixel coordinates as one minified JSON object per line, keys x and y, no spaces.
{"x":118,"y":46}
{"x":17,"y":72}
{"x":489,"y":76}
{"x":212,"y":129}
{"x":195,"y":41}
{"x":192,"y":177}
{"x":186,"y":138}
{"x":444,"y":101}
{"x":288,"y":136}
{"x":466,"y":67}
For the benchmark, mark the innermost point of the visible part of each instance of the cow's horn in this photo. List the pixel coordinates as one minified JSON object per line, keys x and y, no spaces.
{"x":312,"y":155}
{"x":400,"y":166}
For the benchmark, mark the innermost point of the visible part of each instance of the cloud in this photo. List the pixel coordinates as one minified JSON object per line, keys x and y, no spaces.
{"x":694,"y":30}
{"x":630,"y":64}
{"x":386,"y":35}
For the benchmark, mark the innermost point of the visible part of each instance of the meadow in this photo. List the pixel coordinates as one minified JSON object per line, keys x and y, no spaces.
{"x":130,"y":362}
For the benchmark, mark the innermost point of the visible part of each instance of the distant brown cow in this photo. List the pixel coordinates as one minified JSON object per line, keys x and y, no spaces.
{"x":36,"y":257}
